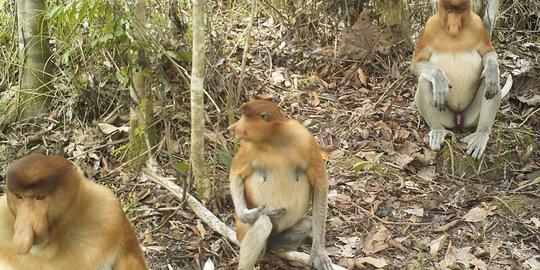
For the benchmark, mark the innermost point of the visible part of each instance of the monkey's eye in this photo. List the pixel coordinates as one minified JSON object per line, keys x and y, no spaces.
{"x":40,"y":197}
{"x":18,"y":196}
{"x":264,"y":116}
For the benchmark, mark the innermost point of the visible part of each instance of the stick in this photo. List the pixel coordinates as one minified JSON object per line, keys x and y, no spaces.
{"x":214,"y":222}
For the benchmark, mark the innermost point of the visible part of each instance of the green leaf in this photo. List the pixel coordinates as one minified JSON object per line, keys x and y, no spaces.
{"x":181,"y":166}
{"x":361,"y":165}
{"x":225,"y":158}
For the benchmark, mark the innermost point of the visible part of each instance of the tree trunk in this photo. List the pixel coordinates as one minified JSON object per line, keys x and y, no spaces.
{"x":32,"y":97}
{"x":143,"y":137}
{"x":202,"y":183}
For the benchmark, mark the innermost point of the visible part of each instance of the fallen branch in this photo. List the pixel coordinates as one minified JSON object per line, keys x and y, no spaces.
{"x":215,"y":223}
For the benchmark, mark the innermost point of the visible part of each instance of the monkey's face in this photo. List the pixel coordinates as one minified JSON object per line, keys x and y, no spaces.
{"x":31,"y":223}
{"x":248,"y":129}
{"x":454,"y":13}
{"x":39,"y":190}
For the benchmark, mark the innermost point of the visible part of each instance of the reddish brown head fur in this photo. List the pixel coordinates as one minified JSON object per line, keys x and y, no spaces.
{"x":258,"y":108}
{"x":37,"y":172}
{"x":259,"y":118}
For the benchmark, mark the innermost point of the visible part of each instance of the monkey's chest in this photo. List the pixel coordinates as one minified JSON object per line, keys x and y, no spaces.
{"x":463,"y":70}
{"x":276,"y":189}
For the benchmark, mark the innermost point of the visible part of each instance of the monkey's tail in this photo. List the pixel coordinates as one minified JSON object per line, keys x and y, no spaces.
{"x":507,"y":86}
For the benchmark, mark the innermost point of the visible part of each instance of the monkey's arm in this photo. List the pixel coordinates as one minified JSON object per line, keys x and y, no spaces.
{"x":490,"y":74}
{"x":440,"y":84}
{"x":239,"y":200}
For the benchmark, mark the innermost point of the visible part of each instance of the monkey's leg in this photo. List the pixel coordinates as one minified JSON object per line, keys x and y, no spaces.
{"x":480,"y":113}
{"x":437,"y":120}
{"x":254,"y":242}
{"x":292,"y":237}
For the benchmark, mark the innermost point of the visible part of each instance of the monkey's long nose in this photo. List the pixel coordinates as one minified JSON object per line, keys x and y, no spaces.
{"x":23,"y":236}
{"x":453,"y":30}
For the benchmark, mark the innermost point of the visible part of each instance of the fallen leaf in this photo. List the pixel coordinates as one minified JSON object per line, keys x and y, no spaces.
{"x":348,"y":249}
{"x":336,"y":154}
{"x":108,"y":129}
{"x":201,"y":229}
{"x":148,"y":238}
{"x":494,"y":248}
{"x":362,"y":76}
{"x":419,"y":212}
{"x":437,"y":244}
{"x":411,"y":185}
{"x":427,"y":173}
{"x":461,"y":255}
{"x":376,"y":240}
{"x":477,"y":214}
{"x":533,"y":263}
{"x":277,"y":76}
{"x":379,"y":263}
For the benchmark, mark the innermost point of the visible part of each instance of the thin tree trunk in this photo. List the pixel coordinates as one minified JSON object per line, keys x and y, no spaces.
{"x":141,"y":144}
{"x":202,"y":183}
{"x":32,"y":97}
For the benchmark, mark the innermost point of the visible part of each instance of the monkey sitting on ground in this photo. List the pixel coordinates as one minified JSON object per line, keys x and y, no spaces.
{"x":277,"y":171}
{"x":458,"y":76}
{"x":53,"y":218}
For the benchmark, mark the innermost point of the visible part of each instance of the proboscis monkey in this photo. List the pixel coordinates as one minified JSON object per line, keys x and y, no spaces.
{"x":277,"y":171}
{"x":458,"y":75}
{"x":53,"y":218}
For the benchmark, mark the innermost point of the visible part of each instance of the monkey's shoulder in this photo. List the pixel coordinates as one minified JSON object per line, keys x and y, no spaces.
{"x":6,"y":219}
{"x":103,"y":212}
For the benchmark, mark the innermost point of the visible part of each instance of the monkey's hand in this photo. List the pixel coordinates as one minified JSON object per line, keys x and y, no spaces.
{"x":275,"y":213}
{"x":436,"y":138}
{"x":490,"y":75}
{"x":476,"y":143}
{"x":441,"y":86}
{"x":251,"y":215}
{"x":320,"y":260}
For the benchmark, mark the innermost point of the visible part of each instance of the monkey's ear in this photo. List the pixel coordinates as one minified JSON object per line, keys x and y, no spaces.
{"x":265,"y":116}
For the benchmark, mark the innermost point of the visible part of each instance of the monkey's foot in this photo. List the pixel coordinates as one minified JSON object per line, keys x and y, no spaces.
{"x":476,"y":143}
{"x":436,"y":138}
{"x":320,"y":260}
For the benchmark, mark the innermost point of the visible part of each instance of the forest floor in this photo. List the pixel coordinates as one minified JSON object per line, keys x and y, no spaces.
{"x":393,"y":203}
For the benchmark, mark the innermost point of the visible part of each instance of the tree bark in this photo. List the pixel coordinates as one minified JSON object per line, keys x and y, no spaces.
{"x":202,"y":183}
{"x":32,"y":97}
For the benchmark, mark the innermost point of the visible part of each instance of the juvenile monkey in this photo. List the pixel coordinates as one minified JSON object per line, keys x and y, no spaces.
{"x":53,"y":218}
{"x":458,"y":75}
{"x":277,"y":171}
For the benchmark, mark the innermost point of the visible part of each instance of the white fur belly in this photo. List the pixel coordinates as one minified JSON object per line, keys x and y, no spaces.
{"x":282,"y":190}
{"x":463,"y":70}
{"x":6,"y":266}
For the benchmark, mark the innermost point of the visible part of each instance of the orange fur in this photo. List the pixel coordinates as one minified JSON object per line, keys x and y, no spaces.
{"x":55,"y":218}
{"x":436,"y":36}
{"x":280,"y":165}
